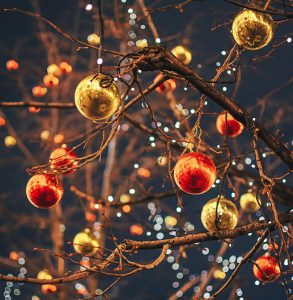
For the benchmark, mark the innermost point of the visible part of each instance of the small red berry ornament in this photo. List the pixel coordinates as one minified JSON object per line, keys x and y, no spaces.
{"x":266,"y":268}
{"x":167,"y":86}
{"x":44,"y":191}
{"x":195,"y":173}
{"x":63,"y":158}
{"x":229,"y":126}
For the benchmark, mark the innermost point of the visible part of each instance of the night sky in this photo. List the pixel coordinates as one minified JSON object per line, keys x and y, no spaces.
{"x":23,"y":227}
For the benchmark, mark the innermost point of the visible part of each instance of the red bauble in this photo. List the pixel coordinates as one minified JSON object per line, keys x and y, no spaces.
{"x":44,"y":191}
{"x":228,"y":125}
{"x":266,"y":268}
{"x":65,"y":158}
{"x":167,"y":86}
{"x":195,"y":173}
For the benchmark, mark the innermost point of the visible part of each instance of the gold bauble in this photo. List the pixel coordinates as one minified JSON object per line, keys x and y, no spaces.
{"x":85,"y":243}
{"x":252,"y":30}
{"x":93,"y":39}
{"x":248,"y":202}
{"x":94,"y":101}
{"x":227,"y":214}
{"x":219,"y":274}
{"x":182,"y":53}
{"x":54,"y":70}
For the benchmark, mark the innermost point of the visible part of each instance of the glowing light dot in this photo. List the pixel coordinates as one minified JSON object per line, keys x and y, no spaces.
{"x":158,"y":40}
{"x":132,"y":191}
{"x":89,"y":7}
{"x":99,"y":61}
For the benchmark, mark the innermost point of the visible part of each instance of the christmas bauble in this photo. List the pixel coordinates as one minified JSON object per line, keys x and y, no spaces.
{"x":39,"y":91}
{"x":63,"y":158}
{"x":266,"y":268}
{"x":93,"y":39}
{"x":85,"y":243}
{"x":44,"y":275}
{"x":65,"y":67}
{"x":50,"y":80}
{"x":44,"y":191}
{"x":182,"y":53}
{"x":225,"y":213}
{"x":12,"y":65}
{"x":252,"y":30}
{"x":248,"y":202}
{"x":96,"y":99}
{"x":229,"y":126}
{"x":167,"y":86}
{"x":195,"y":173}
{"x":54,"y":70}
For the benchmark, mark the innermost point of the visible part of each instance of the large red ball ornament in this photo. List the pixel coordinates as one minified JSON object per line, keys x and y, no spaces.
{"x":63,"y":158}
{"x":195,"y":173}
{"x":44,"y":191}
{"x":229,"y":126}
{"x":266,"y":268}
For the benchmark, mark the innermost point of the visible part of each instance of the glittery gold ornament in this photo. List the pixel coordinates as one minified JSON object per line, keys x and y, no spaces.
{"x":85,"y":243}
{"x":97,"y":99}
{"x":252,"y":30}
{"x":182,"y":53}
{"x":226,"y":215}
{"x":248,"y":202}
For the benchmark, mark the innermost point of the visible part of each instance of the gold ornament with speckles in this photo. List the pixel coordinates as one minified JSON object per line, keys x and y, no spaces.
{"x":85,"y":243}
{"x":248,"y":202}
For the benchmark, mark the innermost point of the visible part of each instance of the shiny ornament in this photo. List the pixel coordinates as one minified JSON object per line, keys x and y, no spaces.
{"x":46,"y":288}
{"x":65,"y":67}
{"x":44,"y":191}
{"x":248,"y":202}
{"x":219,"y":274}
{"x":54,"y":70}
{"x":226,"y":212}
{"x":39,"y":91}
{"x":12,"y":65}
{"x":94,"y":101}
{"x":44,"y":275}
{"x":50,"y":80}
{"x":63,"y":158}
{"x":162,"y":161}
{"x":9,"y":141}
{"x":266,"y":268}
{"x":136,"y":229}
{"x":229,"y":126}
{"x":85,"y":243}
{"x":182,"y":53}
{"x":252,"y":30}
{"x":167,"y":86}
{"x":93,"y":39}
{"x":195,"y":173}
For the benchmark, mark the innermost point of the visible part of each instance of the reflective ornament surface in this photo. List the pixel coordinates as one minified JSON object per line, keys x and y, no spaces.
{"x":167,"y":86}
{"x":227,"y":125}
{"x":195,"y":173}
{"x":248,"y":202}
{"x":266,"y":268}
{"x":252,"y":30}
{"x":63,"y":158}
{"x":226,"y":215}
{"x":44,"y":191}
{"x":96,"y":99}
{"x":182,"y":53}
{"x":85,"y":243}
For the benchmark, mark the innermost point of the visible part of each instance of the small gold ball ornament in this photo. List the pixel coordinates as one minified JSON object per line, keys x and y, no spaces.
{"x":252,"y":30}
{"x":85,"y":243}
{"x":226,"y":212}
{"x":96,"y":97}
{"x":182,"y":53}
{"x":248,"y":202}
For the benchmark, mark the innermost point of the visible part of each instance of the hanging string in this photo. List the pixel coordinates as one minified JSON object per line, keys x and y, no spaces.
{"x":101,"y":34}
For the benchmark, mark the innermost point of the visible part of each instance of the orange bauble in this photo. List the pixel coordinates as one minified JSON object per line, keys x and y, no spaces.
{"x":39,"y":91}
{"x":266,"y":268}
{"x":195,"y":173}
{"x":50,"y":80}
{"x":12,"y":65}
{"x":63,"y":158}
{"x":167,"y":86}
{"x":44,"y":191}
{"x":65,"y":67}
{"x":229,"y":126}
